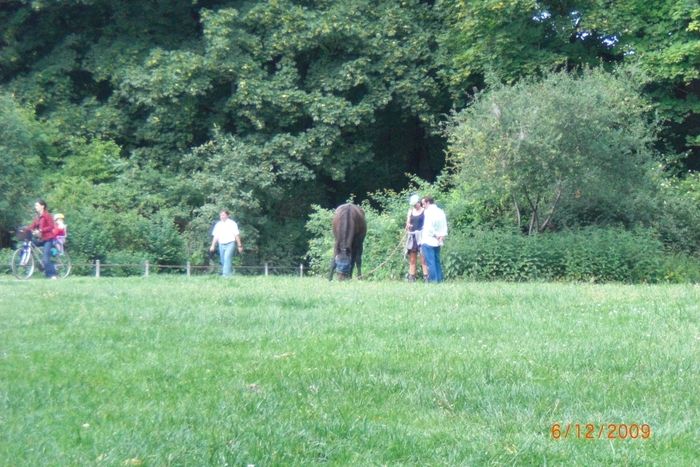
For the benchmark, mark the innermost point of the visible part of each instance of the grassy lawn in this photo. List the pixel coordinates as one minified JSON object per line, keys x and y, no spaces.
{"x":290,"y":371}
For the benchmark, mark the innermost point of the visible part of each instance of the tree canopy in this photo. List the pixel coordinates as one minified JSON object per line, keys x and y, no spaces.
{"x":166,"y":111}
{"x":583,"y":142}
{"x":517,"y":38}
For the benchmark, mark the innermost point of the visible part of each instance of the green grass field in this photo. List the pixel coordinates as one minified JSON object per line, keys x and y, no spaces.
{"x":290,"y":371}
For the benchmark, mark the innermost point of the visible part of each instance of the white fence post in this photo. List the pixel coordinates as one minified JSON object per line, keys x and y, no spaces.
{"x":146,"y":268}
{"x":97,"y":268}
{"x":266,"y":269}
{"x":188,"y":269}
{"x":301,"y":270}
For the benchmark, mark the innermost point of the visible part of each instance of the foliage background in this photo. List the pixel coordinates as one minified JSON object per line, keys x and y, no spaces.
{"x":140,"y":120}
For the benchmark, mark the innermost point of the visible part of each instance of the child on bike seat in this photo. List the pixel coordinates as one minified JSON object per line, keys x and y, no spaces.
{"x":60,"y":231}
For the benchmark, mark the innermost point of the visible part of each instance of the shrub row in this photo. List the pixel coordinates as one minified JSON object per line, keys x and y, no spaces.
{"x":590,"y":254}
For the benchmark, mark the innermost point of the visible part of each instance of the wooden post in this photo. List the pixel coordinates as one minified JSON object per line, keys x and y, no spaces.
{"x":188,"y":269}
{"x":146,"y":268}
{"x":97,"y":268}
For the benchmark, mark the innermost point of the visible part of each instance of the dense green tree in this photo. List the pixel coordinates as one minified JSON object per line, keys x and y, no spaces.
{"x":310,"y":85}
{"x":21,"y":141}
{"x":324,"y":97}
{"x":517,"y":38}
{"x":665,"y":40}
{"x":265,"y":107}
{"x":581,"y":141}
{"x":678,"y":213}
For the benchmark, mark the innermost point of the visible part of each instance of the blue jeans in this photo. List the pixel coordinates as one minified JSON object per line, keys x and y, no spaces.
{"x":432,"y":260}
{"x":49,"y":268}
{"x":226,"y":255}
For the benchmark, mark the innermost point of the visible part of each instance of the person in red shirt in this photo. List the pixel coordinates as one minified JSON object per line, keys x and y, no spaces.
{"x":44,"y":228}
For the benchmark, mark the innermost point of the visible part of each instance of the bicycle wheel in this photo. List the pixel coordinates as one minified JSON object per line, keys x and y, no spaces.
{"x":22,"y":263}
{"x":63,"y":264}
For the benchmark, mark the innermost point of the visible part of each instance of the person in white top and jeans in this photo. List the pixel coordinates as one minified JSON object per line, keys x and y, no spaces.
{"x":226,"y":233}
{"x":432,"y":237}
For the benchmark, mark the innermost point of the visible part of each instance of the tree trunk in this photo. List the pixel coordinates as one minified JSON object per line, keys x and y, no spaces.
{"x":518,"y":219}
{"x":553,"y":208}
{"x":534,"y":220}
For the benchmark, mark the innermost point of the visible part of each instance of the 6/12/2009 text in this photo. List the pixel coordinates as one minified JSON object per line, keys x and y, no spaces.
{"x":591,"y":431}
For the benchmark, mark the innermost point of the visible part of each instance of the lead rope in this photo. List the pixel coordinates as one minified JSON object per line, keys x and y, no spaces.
{"x":402,"y":242}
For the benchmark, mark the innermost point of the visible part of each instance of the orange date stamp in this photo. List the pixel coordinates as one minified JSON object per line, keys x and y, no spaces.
{"x":593,"y":431}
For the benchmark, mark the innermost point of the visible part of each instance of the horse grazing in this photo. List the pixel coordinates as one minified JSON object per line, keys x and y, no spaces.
{"x":349,"y":230}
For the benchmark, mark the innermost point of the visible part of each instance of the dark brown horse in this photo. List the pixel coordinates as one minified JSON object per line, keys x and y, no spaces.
{"x":349,"y":230}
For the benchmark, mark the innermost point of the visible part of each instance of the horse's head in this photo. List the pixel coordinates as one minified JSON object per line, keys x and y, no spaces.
{"x":343,"y":263}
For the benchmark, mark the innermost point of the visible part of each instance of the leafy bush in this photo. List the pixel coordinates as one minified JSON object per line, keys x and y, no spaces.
{"x":82,"y":265}
{"x":5,"y":259}
{"x":124,"y":263}
{"x":678,"y":221}
{"x":321,"y":239}
{"x":681,"y":268}
{"x":590,"y":254}
{"x":89,"y":234}
{"x":164,"y":245}
{"x":20,"y":148}
{"x":604,"y":255}
{"x":575,"y":143}
{"x":500,"y":254}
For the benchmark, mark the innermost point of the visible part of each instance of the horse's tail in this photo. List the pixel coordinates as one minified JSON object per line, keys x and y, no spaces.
{"x":349,"y":227}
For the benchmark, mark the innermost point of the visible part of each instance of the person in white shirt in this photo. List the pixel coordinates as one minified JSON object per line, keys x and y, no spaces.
{"x":226,"y":234}
{"x":432,"y":238}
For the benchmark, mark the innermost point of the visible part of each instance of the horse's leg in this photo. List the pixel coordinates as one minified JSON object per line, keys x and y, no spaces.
{"x":352,"y":260}
{"x":330,"y":274}
{"x":357,"y":257}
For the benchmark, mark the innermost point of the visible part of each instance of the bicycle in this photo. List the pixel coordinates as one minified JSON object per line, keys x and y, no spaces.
{"x":29,"y":256}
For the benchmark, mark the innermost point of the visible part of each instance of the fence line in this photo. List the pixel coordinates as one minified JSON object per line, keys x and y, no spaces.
{"x":145,"y":269}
